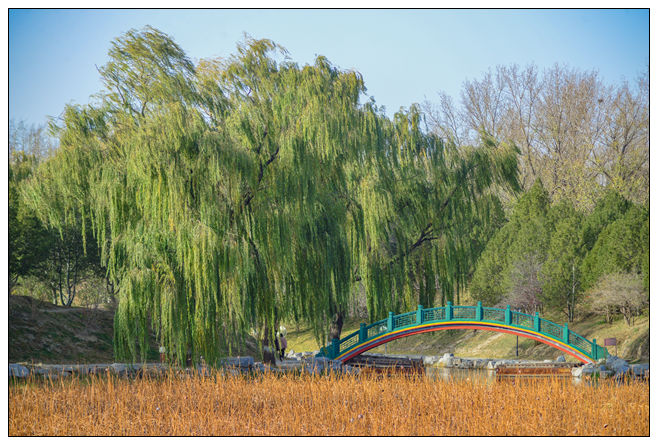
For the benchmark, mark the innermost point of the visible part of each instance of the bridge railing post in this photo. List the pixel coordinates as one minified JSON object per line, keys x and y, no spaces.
{"x":508,"y":315}
{"x":419,"y":314}
{"x":449,"y":311}
{"x":478,"y":311}
{"x":595,"y":350}
{"x":537,"y":323}
{"x":335,"y":347}
{"x":565,"y":333}
{"x":389,"y":323}
{"x":363,"y":333}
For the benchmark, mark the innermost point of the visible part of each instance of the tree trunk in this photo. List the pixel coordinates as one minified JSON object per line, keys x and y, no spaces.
{"x":628,"y":316}
{"x":269,"y":349}
{"x":336,"y":325}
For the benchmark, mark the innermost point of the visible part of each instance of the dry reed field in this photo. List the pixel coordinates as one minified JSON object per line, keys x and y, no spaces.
{"x":297,"y":405}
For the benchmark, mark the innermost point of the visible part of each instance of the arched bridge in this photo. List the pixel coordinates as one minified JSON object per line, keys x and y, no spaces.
{"x":464,"y":317}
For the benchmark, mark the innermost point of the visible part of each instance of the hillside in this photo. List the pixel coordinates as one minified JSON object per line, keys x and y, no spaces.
{"x":633,"y":341}
{"x":46,"y":333}
{"x":41,"y":332}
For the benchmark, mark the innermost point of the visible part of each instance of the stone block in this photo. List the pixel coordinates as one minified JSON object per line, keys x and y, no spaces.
{"x":18,"y":371}
{"x":240,"y":362}
{"x":640,"y":369}
{"x":429,"y":360}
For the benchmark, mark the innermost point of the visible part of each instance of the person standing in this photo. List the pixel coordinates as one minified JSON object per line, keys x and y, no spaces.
{"x":277,"y":346}
{"x":283,"y":344}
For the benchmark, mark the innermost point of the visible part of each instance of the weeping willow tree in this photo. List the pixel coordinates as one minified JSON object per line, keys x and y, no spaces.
{"x":429,"y":207}
{"x":239,"y":192}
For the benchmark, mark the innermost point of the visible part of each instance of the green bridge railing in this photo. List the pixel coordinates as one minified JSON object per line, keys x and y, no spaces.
{"x":502,"y":317}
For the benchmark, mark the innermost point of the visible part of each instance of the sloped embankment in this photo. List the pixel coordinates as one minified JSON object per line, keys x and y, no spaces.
{"x":46,"y":333}
{"x":41,"y":332}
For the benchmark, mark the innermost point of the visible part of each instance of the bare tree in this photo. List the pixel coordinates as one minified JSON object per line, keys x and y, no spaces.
{"x":445,"y":120}
{"x":526,"y":286}
{"x":522,"y":90}
{"x":569,"y":103}
{"x":484,"y":104}
{"x":624,"y":160}
{"x":618,"y":293}
{"x":575,"y":133}
{"x":31,"y":140}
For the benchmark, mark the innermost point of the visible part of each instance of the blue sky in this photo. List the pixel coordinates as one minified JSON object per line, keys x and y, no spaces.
{"x":405,"y":56}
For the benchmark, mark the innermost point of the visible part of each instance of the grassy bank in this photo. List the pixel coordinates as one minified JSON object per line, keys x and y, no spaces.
{"x":305,"y":405}
{"x":43,"y":332}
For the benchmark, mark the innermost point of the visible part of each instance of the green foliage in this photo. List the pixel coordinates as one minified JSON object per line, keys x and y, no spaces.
{"x":422,"y":206}
{"x":28,"y":239}
{"x":572,"y":251}
{"x":229,"y":196}
{"x":146,"y":69}
{"x":644,"y":240}
{"x":561,"y":269}
{"x":622,"y":246}
{"x":525,"y":235}
{"x":611,"y":206}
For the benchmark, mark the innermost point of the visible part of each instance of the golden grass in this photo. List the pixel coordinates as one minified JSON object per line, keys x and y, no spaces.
{"x":305,"y":405}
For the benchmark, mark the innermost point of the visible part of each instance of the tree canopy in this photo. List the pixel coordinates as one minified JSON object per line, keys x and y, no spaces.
{"x":550,"y":253}
{"x":230,"y":195}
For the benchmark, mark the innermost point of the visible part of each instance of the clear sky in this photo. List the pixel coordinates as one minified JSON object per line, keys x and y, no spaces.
{"x":405,"y":56}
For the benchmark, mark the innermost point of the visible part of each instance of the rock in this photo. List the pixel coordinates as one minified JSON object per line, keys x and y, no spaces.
{"x":202,"y":370}
{"x":240,"y":362}
{"x":466,"y":363}
{"x":429,"y":360}
{"x":560,"y":359}
{"x":616,"y":364}
{"x":606,"y":374}
{"x":259,"y":367}
{"x":98,"y":369}
{"x":584,"y":370}
{"x":231,"y":371}
{"x":119,"y":368}
{"x":318,"y":365}
{"x":622,"y":369}
{"x":640,"y":369}
{"x":19,"y":371}
{"x":447,"y":362}
{"x":495,"y":364}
